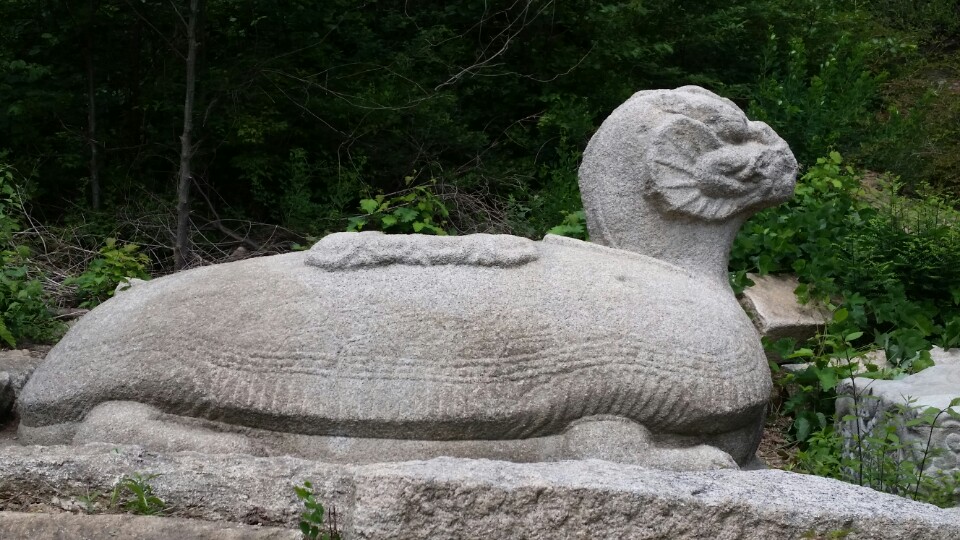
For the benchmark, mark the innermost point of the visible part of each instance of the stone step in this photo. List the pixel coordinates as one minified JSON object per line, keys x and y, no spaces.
{"x":462,"y":498}
{"x":95,"y":527}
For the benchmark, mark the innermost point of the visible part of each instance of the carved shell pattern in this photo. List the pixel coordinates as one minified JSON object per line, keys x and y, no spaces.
{"x":709,"y":161}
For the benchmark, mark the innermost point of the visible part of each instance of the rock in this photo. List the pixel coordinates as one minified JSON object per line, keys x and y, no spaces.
{"x":878,"y":358}
{"x":877,"y":402}
{"x":461,"y":498}
{"x":372,"y":347}
{"x":95,"y":527}
{"x":943,"y":357}
{"x":16,"y":366}
{"x":774,"y":308}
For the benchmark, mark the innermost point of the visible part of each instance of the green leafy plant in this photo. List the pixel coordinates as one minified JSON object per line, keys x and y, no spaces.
{"x":114,"y":265}
{"x":812,"y":390}
{"x":884,"y":261}
{"x":880,"y":262}
{"x":135,"y":494}
{"x":417,"y":209}
{"x":24,"y":314}
{"x":574,"y":225}
{"x":313,"y":522}
{"x":89,"y":500}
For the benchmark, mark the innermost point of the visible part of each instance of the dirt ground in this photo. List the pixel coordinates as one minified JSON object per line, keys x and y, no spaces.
{"x":775,"y":450}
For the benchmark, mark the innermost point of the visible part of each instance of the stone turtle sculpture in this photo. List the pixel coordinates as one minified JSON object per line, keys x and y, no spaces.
{"x":371,"y":347}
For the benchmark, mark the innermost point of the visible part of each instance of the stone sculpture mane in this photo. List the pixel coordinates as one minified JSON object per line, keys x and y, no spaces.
{"x":374,"y":348}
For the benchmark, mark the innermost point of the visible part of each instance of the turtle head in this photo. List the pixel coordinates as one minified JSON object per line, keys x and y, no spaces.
{"x":674,"y":174}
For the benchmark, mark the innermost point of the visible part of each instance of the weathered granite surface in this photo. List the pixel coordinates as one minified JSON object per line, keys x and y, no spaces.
{"x":16,"y":366}
{"x":485,"y":362}
{"x":674,"y":173}
{"x":374,"y":348}
{"x":97,"y":527}
{"x":775,"y":310}
{"x":459,"y":498}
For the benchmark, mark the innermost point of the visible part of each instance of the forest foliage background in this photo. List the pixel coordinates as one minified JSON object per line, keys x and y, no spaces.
{"x":312,"y":117}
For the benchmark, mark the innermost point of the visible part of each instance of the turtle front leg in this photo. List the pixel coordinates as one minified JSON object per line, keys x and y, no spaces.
{"x":621,"y":440}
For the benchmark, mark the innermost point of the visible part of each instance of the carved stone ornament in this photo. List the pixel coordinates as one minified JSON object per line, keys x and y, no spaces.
{"x":370,"y":348}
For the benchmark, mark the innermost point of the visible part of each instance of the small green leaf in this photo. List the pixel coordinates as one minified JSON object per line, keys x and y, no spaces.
{"x":922,"y":362}
{"x":852,"y":336}
{"x":827,"y":377}
{"x":388,"y":220}
{"x":840,"y":315}
{"x":406,"y":215}
{"x":356,"y":224}
{"x":803,"y":428}
{"x":566,"y":230}
{"x":6,"y":335}
{"x":369,"y":205}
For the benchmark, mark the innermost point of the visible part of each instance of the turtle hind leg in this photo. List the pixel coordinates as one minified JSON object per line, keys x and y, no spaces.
{"x":621,"y":440}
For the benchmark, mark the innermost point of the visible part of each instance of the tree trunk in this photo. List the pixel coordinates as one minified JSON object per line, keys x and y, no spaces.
{"x":182,"y":249}
{"x":92,"y":112}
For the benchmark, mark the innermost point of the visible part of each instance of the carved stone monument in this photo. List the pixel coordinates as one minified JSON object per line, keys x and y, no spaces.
{"x":868,"y":407}
{"x":371,"y":348}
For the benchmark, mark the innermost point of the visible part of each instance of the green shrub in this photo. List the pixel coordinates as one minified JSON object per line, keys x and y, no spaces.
{"x":24,"y":314}
{"x":114,"y":265}
{"x":573,"y":225}
{"x":135,"y":494}
{"x":888,"y":267}
{"x":819,"y":104}
{"x":892,"y":264}
{"x":417,"y":209}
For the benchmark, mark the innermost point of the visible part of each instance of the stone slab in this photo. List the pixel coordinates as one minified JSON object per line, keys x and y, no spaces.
{"x":461,"y":498}
{"x":948,"y":357}
{"x":879,"y":359}
{"x":95,"y":527}
{"x":777,"y":314}
{"x":933,"y":387}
